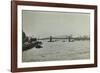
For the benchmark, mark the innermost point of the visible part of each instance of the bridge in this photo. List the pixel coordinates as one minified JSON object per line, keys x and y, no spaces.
{"x":52,"y":39}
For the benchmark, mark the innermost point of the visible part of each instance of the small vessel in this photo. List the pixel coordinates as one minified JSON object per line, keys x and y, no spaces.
{"x":28,"y":45}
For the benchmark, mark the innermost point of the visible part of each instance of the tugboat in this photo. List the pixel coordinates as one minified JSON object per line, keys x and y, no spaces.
{"x":30,"y":43}
{"x":38,"y":45}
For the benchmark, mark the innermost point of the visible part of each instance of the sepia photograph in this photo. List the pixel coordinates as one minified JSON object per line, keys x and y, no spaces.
{"x":51,"y":36}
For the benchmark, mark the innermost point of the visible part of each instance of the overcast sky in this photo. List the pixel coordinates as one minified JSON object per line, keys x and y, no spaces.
{"x":44,"y":24}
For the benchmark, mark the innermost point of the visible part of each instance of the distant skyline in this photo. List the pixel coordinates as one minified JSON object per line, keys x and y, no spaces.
{"x":44,"y":24}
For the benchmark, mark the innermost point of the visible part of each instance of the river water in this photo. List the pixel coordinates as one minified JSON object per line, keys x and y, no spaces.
{"x":59,"y":50}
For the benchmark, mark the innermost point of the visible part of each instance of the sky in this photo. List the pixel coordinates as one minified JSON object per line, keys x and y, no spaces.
{"x":44,"y":24}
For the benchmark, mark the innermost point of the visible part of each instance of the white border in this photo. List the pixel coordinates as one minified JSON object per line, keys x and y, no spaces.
{"x":53,"y":63}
